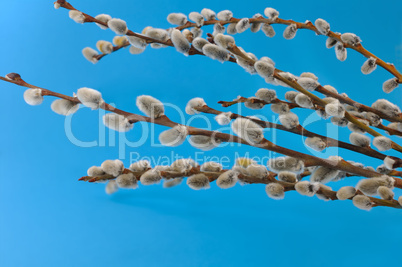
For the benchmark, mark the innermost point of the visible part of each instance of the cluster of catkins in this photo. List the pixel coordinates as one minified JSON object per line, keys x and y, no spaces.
{"x":334,"y":109}
{"x":218,"y":50}
{"x":288,"y":171}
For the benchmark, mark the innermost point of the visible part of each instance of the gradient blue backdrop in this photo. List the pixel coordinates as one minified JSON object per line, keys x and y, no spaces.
{"x":49,"y":219}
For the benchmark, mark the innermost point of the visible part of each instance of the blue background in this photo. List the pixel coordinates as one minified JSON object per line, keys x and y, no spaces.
{"x":49,"y":219}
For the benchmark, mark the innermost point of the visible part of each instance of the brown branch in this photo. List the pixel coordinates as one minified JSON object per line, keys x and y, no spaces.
{"x":309,"y":160}
{"x":270,"y":178}
{"x":300,"y":130}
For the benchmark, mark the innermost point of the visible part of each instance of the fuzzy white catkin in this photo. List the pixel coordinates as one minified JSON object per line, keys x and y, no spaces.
{"x":216,"y":52}
{"x":268,"y":60}
{"x":64,"y":107}
{"x":90,"y":54}
{"x":77,"y":16}
{"x":290,"y":31}
{"x":308,"y":83}
{"x":309,"y":75}
{"x":323,"y":175}
{"x":341,"y":122}
{"x":306,"y":188}
{"x":150,"y":177}
{"x":204,"y":142}
{"x":346,"y":192}
{"x":137,"y":42}
{"x":242,"y":25}
{"x":211,"y":167}
{"x":330,"y":42}
{"x":95,"y":171}
{"x":382,"y":143}
{"x":117,"y":122}
{"x":196,"y":32}
{"x":218,"y":28}
{"x":208,"y":14}
{"x":232,"y":28}
{"x":362,"y":202}
{"x":257,"y":171}
{"x":256,"y":26}
{"x":255,"y":105}
{"x":304,"y":101}
{"x":383,"y":169}
{"x":151,"y":106}
{"x":315,"y":143}
{"x":290,"y":120}
{"x":140,"y":166}
{"x":390,"y":85}
{"x":180,"y":42}
{"x":275,"y":191}
{"x":227,"y":179}
{"x":104,"y":47}
{"x":112,"y":167}
{"x":172,"y":182}
{"x":158,"y":34}
{"x":280,"y":108}
{"x":120,"y":40}
{"x":267,"y":95}
{"x":268,"y":30}
{"x":373,"y":118}
{"x":224,"y":41}
{"x":135,"y":50}
{"x":389,"y":162}
{"x":199,"y":43}
{"x":248,"y":130}
{"x":330,"y":88}
{"x":127,"y":181}
{"x":286,"y":164}
{"x":225,"y":15}
{"x":370,"y":186}
{"x":111,"y":187}
{"x":359,"y":139}
{"x":291,"y":96}
{"x":385,"y":193}
{"x":198,"y":181}
{"x":56,"y":5}
{"x":264,"y":69}
{"x":90,"y":97}
{"x":197,"y":18}
{"x":224,"y":118}
{"x":33,"y":96}
{"x":271,"y":13}
{"x":400,"y":200}
{"x":174,"y":137}
{"x":322,"y":26}
{"x":369,"y":65}
{"x":335,"y":109}
{"x":288,"y":177}
{"x":119,"y":26}
{"x":177,"y":19}
{"x":194,"y":103}
{"x":104,"y":18}
{"x":350,"y":38}
{"x":340,"y":51}
{"x":386,"y":107}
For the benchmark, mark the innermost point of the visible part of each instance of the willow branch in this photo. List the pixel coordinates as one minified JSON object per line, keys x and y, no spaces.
{"x":265,"y":144}
{"x":269,"y":178}
{"x":300,"y":130}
